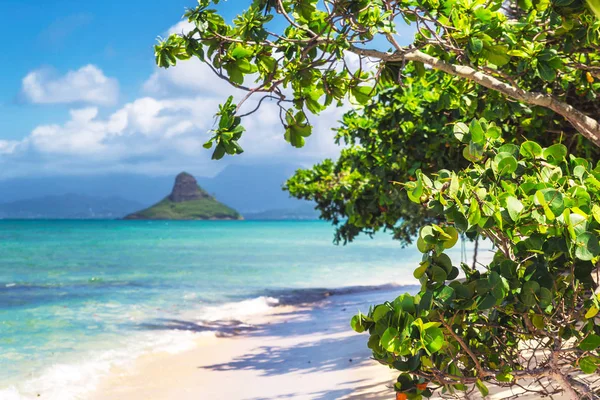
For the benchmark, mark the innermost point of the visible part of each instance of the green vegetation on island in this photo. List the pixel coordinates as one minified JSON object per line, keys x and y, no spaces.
{"x":187,"y":201}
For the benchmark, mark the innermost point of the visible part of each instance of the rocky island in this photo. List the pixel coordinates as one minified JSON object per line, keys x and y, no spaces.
{"x":187,"y":201}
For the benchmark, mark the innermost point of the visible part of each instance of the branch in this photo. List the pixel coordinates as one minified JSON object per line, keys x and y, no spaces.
{"x":478,"y":367}
{"x":588,"y":127}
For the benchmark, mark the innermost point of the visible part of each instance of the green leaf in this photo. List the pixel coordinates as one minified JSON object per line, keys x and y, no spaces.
{"x":538,"y":321}
{"x":528,"y":293}
{"x":493,"y":132}
{"x":473,"y":152}
{"x":446,"y":294}
{"x":596,"y":212}
{"x":577,"y":224}
{"x":483,"y":14}
{"x":498,"y":285}
{"x":587,"y":246}
{"x":474,"y":213}
{"x":362,"y":94}
{"x":476,"y":131}
{"x":509,"y":148}
{"x":546,"y":72}
{"x":497,"y":55}
{"x":461,"y":132}
{"x":476,"y":45}
{"x":428,"y":234}
{"x":592,"y":312}
{"x":240,"y":51}
{"x":414,"y":190}
{"x":390,"y":339}
{"x":514,"y":207}
{"x":453,"y":189}
{"x":219,"y":152}
{"x":555,"y":154}
{"x":443,"y":261}
{"x":595,"y":7}
{"x":518,"y":53}
{"x":433,"y":339}
{"x":545,"y":297}
{"x":590,"y":343}
{"x":235,"y":74}
{"x":505,"y":377}
{"x":358,"y":323}
{"x":589,"y":364}
{"x":438,"y":274}
{"x":551,"y":201}
{"x":505,"y":164}
{"x":420,"y":271}
{"x":380,"y":311}
{"x":453,"y":274}
{"x":531,"y":149}
{"x":246,"y":66}
{"x":453,"y":233}
{"x":487,"y":302}
{"x":482,"y":388}
{"x":423,"y":246}
{"x":406,"y":302}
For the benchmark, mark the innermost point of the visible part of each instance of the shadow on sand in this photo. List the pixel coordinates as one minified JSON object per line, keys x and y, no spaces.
{"x":323,"y":343}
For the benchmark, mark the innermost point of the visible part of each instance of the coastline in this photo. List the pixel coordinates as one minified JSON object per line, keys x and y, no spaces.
{"x":303,"y":351}
{"x":292,"y":351}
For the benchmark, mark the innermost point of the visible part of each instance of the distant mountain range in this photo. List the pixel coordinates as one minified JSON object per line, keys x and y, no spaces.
{"x":303,"y":212}
{"x":69,"y":206}
{"x":254,"y":191}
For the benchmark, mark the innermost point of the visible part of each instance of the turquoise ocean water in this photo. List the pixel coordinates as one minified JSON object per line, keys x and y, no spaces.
{"x":77,"y":297}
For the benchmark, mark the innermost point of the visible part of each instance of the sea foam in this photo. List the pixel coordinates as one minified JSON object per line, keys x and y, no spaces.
{"x":73,"y":381}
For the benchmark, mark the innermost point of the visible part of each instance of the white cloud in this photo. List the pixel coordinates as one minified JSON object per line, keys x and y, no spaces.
{"x":153,"y":126}
{"x":9,"y":146}
{"x":83,"y":134}
{"x":85,"y":85}
{"x":182,"y":27}
{"x":191,"y":76}
{"x":161,"y":132}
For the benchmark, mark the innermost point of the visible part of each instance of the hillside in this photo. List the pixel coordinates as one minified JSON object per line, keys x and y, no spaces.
{"x":187,"y":201}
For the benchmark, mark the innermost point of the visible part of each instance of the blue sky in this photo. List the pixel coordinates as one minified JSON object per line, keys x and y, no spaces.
{"x":80,"y":94}
{"x":117,"y":36}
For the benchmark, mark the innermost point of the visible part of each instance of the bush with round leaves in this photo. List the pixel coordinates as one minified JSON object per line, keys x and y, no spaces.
{"x":528,"y":316}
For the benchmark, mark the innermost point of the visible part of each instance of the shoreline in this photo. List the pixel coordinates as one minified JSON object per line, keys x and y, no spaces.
{"x":298,"y":345}
{"x":300,"y":351}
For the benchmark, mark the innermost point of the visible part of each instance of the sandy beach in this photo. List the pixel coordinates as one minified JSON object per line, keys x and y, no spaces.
{"x":295,"y":352}
{"x":291,"y":352}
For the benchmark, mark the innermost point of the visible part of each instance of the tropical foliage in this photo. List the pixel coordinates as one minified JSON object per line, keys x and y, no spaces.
{"x":406,"y":128}
{"x":516,"y":82}
{"x":538,"y":52}
{"x":530,"y":314}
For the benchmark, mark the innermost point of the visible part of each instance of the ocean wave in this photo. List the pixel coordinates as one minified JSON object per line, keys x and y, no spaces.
{"x":73,"y":381}
{"x":312,"y":295}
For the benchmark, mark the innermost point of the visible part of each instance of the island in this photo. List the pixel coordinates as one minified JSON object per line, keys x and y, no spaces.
{"x":187,"y":201}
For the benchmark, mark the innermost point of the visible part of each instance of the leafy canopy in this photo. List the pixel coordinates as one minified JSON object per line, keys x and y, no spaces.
{"x":410,"y":127}
{"x":514,"y":81}
{"x":537,"y":52}
{"x":531,"y":312}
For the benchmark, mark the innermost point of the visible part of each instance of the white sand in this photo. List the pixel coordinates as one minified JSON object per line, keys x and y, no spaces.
{"x":293,"y":353}
{"x":289,"y":353}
